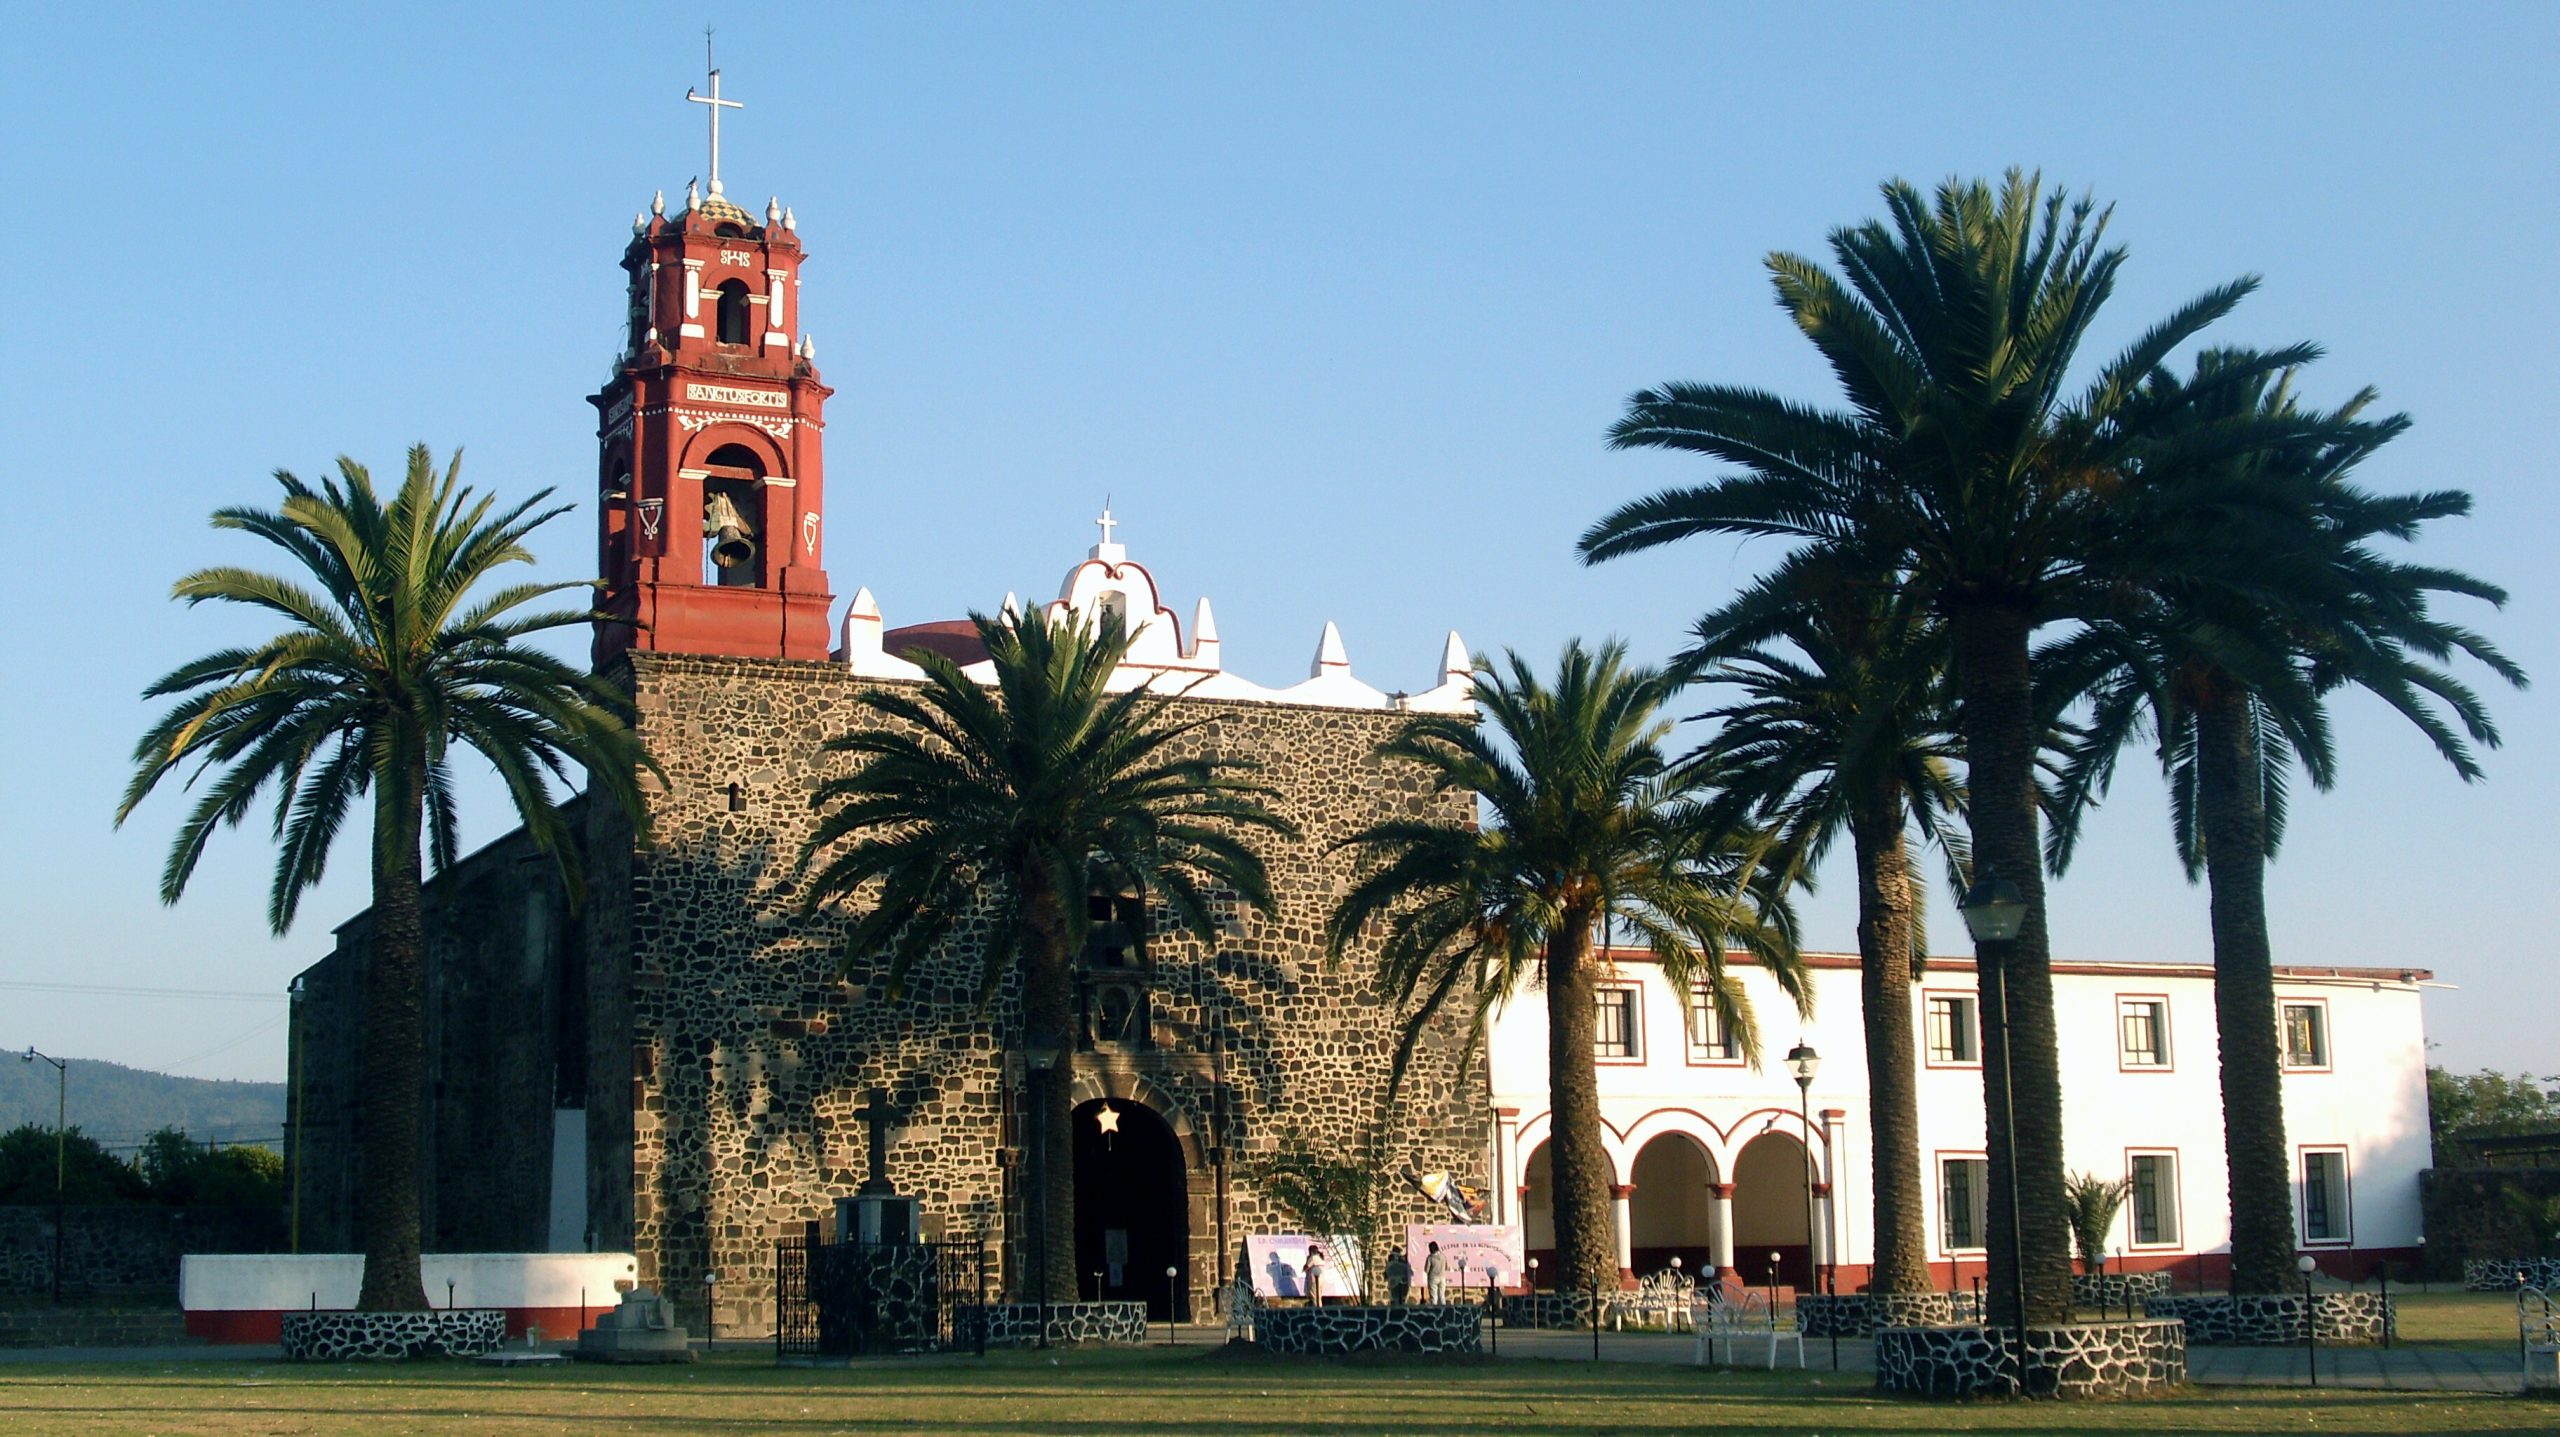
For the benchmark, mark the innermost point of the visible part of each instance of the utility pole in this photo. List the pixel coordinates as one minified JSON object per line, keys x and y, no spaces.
{"x":61,"y":1090}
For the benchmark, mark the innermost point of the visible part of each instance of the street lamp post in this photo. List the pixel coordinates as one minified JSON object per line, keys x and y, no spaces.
{"x":61,"y":1091}
{"x":1804,"y":1062}
{"x":1993,"y":911}
{"x":1042,"y":1058}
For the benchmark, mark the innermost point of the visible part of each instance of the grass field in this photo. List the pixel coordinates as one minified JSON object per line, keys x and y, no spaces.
{"x":1190,"y":1390}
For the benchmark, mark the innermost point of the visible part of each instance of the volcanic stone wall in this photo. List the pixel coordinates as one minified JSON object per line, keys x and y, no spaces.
{"x":744,"y":1048}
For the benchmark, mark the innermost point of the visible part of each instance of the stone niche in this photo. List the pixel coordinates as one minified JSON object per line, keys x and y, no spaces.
{"x":2094,"y":1359}
{"x":2273,"y":1320}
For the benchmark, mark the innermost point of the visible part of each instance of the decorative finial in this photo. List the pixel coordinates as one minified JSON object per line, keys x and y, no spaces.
{"x":717,"y":105}
{"x":808,"y":347}
{"x":1329,"y":653}
{"x":772,"y":210}
{"x":658,"y":203}
{"x":651,"y":338}
{"x":693,"y":193}
{"x":790,"y":221}
{"x":639,"y":222}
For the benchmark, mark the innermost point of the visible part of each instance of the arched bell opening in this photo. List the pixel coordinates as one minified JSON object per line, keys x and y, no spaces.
{"x":734,"y":317}
{"x":733,"y":519}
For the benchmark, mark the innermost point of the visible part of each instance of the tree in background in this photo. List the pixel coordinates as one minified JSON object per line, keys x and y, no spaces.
{"x":391,"y":660}
{"x":91,"y":1174}
{"x":2487,"y":1104}
{"x":2094,"y":1201}
{"x":183,"y":1172}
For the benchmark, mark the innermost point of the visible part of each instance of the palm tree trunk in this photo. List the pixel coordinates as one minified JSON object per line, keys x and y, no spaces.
{"x":2231,"y":812}
{"x":1047,"y":1020}
{"x":1585,"y":1216}
{"x":2030,"y":1241}
{"x":1893,"y":1090}
{"x":395,"y":1033}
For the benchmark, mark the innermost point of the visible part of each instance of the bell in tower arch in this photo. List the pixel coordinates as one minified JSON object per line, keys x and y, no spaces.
{"x":731,"y":539}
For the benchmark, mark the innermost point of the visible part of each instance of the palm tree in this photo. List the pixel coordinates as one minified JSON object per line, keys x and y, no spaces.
{"x":387,"y":665}
{"x":1005,"y":803}
{"x":1845,"y":730}
{"x":2234,"y":685}
{"x":1967,"y":466}
{"x":1590,"y":824}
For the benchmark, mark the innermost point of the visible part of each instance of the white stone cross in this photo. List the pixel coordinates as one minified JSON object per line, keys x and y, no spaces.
{"x":717,"y":105}
{"x":1107,"y":522}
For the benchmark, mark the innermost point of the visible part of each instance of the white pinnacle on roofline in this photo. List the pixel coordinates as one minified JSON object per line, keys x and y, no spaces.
{"x":1107,"y":587}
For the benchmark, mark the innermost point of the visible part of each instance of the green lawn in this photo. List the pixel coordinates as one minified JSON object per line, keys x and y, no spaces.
{"x":1130,"y":1391}
{"x":2456,"y":1319}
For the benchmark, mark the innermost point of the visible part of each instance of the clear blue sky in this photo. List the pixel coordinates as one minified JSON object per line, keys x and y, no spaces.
{"x":1334,"y":302}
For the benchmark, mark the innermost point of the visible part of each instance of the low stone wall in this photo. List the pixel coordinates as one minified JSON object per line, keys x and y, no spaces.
{"x":2095,"y":1359}
{"x":2272,"y":1321}
{"x":2110,"y":1289}
{"x":1546,"y":1309}
{"x":392,"y":1336}
{"x":1857,"y":1314}
{"x":129,"y":1249}
{"x":1414,"y":1327}
{"x":1017,"y":1324}
{"x":93,"y":1327}
{"x":2494,"y":1275}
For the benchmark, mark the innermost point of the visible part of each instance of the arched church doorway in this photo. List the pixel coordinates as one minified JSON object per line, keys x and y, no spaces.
{"x":1672,"y":1211}
{"x":1769,"y":1177}
{"x":1133,"y":1216}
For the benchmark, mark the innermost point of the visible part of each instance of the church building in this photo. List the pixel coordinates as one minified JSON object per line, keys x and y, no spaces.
{"x":674,"y":1067}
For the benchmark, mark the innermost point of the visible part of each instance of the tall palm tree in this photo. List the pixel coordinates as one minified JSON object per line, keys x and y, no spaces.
{"x":387,"y":665}
{"x":1967,"y":465}
{"x":1841,"y":726}
{"x":1591,"y":824}
{"x":1006,"y":802}
{"x":2235,"y":686}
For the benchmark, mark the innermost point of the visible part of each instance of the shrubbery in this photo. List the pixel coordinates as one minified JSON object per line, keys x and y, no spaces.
{"x":171,"y":1169}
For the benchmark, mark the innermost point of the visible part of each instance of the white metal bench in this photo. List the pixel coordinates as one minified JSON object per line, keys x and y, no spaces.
{"x":1735,"y":1315}
{"x":2538,"y":1334}
{"x":1665,"y":1297}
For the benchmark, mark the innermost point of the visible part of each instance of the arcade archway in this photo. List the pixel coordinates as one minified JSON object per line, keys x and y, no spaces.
{"x":1769,"y":1177}
{"x":1672,"y":1211}
{"x":1133,"y":1214}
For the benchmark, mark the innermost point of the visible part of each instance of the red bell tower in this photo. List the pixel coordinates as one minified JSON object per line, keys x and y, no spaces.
{"x":709,"y":439}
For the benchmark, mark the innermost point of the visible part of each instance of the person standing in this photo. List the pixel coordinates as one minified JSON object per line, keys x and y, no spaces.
{"x":1313,"y":1276}
{"x":1435,"y":1273}
{"x":1399,"y":1278}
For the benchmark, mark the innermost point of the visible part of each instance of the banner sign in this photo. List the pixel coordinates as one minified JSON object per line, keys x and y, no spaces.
{"x":1278,"y":1262}
{"x":1472,"y":1253}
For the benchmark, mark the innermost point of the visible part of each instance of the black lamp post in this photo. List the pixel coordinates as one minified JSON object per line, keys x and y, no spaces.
{"x":61,"y":1090}
{"x":1804,"y":1062}
{"x":1042,"y":1059}
{"x":1993,"y":911}
{"x":2310,"y":1320}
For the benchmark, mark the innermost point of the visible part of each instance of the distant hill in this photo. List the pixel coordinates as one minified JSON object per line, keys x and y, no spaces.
{"x":119,"y":1106}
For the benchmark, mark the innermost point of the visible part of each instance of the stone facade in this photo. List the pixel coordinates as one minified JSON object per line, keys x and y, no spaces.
{"x":392,"y":1336}
{"x":702,"y":1027}
{"x":1412,"y":1327}
{"x":1017,"y":1324}
{"x":2097,"y":1359}
{"x":125,"y":1250}
{"x":1860,"y":1314}
{"x":2272,"y":1321}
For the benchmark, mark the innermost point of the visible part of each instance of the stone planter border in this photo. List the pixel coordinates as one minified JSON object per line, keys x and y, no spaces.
{"x":1414,"y":1327}
{"x":2276,"y":1321}
{"x":1859,"y":1314}
{"x":1550,"y":1310}
{"x":1017,"y":1324}
{"x":392,"y":1336}
{"x":2499,"y":1275}
{"x":2089,"y":1359}
{"x":2109,"y":1289}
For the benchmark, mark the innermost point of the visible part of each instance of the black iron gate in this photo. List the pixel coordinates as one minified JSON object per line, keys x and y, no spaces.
{"x":846,"y":1299}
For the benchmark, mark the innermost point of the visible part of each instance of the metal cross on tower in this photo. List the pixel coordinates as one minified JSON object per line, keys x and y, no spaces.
{"x":717,"y":105}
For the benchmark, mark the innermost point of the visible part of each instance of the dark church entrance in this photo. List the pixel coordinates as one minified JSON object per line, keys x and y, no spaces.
{"x":1133,"y":1219}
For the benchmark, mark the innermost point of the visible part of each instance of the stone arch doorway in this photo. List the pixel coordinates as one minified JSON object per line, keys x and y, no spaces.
{"x":1671,"y":1213}
{"x":1769,"y":1177}
{"x":1133,"y":1211}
